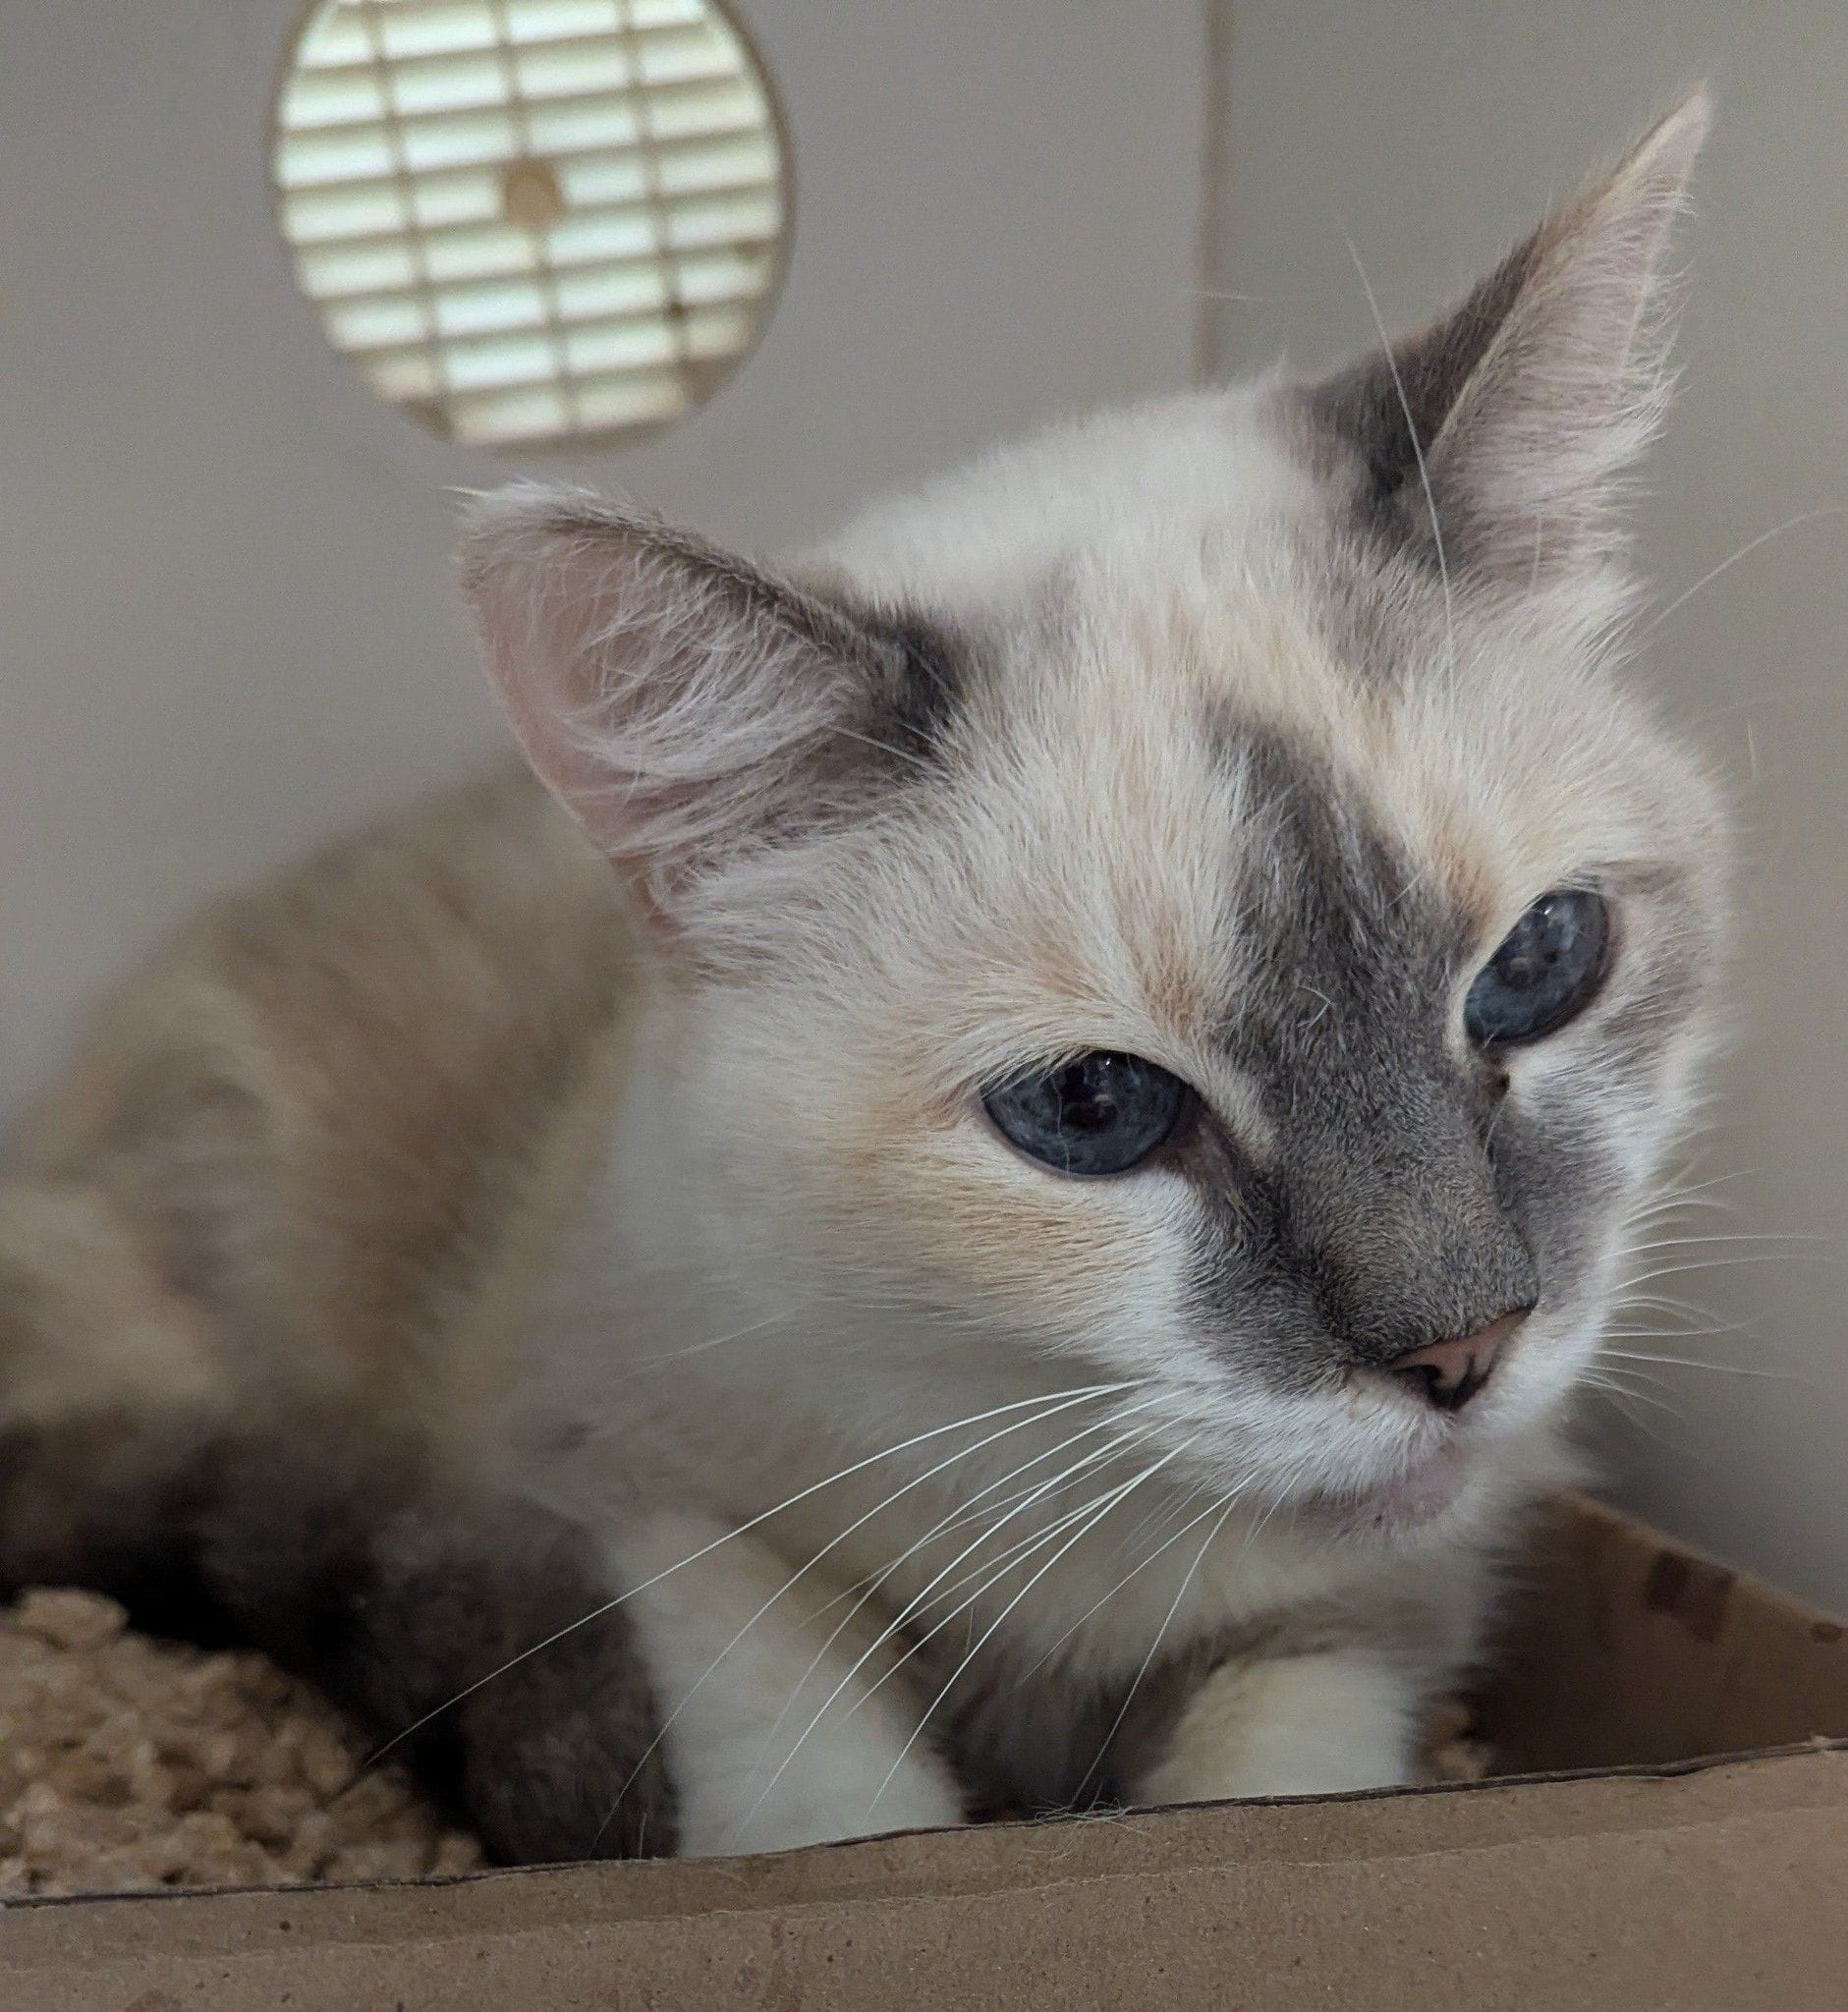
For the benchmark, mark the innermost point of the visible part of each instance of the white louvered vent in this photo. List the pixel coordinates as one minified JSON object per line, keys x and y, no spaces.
{"x":532,"y":219}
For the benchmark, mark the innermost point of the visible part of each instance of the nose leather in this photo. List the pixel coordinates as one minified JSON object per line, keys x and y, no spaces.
{"x":1449,"y":1373}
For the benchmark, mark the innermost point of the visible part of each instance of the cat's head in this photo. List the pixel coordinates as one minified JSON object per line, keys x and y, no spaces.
{"x":1186,"y":898}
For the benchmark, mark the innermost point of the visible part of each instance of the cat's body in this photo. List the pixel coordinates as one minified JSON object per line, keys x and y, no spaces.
{"x":441,"y":1245}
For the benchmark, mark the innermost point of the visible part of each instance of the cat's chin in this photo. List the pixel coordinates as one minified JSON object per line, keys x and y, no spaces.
{"x":1404,"y":1507}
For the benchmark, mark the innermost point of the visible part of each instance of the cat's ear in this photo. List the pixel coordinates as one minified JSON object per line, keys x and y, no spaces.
{"x":1526,"y":402}
{"x":683,"y":703}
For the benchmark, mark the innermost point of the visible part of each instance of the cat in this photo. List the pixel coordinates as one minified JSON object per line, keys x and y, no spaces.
{"x":983,"y":1184}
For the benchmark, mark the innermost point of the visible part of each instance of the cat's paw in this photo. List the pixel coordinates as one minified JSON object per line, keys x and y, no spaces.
{"x":1304,"y":1725}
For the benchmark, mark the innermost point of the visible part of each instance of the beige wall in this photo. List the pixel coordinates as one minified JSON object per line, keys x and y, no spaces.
{"x":1430,"y":131}
{"x":226,"y":619}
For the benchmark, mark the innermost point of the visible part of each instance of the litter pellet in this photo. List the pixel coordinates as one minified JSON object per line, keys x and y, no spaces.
{"x":128,"y":1764}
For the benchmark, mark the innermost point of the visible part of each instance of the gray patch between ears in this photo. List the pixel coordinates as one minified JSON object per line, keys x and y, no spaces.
{"x":927,"y":688}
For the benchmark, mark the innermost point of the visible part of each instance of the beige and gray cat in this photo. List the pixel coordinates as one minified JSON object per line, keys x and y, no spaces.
{"x":1029,"y":1244}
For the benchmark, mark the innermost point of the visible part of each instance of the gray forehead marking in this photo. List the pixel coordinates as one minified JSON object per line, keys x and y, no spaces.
{"x":927,"y":683}
{"x":1382,"y":1223}
{"x":1352,"y":938}
{"x":913,"y":670}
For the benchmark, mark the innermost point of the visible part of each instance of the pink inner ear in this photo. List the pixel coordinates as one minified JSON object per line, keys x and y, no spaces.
{"x":534,"y":623}
{"x":668,"y":694}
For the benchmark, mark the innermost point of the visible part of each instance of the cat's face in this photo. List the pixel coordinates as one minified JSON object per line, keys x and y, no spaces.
{"x":1144,"y":907}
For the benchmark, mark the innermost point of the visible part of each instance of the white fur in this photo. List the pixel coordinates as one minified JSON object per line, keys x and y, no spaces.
{"x":743,"y":1659}
{"x":1300,"y":1726}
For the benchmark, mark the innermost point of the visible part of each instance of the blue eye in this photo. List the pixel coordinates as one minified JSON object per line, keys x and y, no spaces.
{"x":1547,"y":970}
{"x":1101,"y":1114}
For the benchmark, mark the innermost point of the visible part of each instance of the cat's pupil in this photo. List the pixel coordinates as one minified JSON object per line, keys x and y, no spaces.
{"x":1083,"y":1093}
{"x":1101,"y":1115}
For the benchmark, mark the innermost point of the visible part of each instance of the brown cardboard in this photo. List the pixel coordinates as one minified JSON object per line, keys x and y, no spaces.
{"x":1669,"y":1880}
{"x":1626,"y":1649}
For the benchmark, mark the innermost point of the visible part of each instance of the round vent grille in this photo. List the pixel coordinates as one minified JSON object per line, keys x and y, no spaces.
{"x":532,"y":220}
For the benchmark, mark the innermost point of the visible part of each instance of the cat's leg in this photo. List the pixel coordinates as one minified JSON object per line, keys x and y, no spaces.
{"x":1287,"y":1725}
{"x":482,"y":1635}
{"x":779,"y":1731}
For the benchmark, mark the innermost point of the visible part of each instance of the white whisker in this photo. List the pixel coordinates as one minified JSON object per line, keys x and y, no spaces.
{"x":963,"y":1514}
{"x":700,"y":1348}
{"x":1417,"y":453}
{"x":931,"y":1710}
{"x":802,"y":1572}
{"x":1142,"y":1565}
{"x":1695,"y":1240}
{"x":705,"y":1550}
{"x":1154,"y":1647}
{"x":916,"y":1605}
{"x":1705,"y":1264}
{"x":1726,"y":565}
{"x":1631,"y":1354}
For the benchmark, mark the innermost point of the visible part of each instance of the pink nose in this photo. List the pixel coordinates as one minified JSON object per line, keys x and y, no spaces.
{"x":1448,"y":1374}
